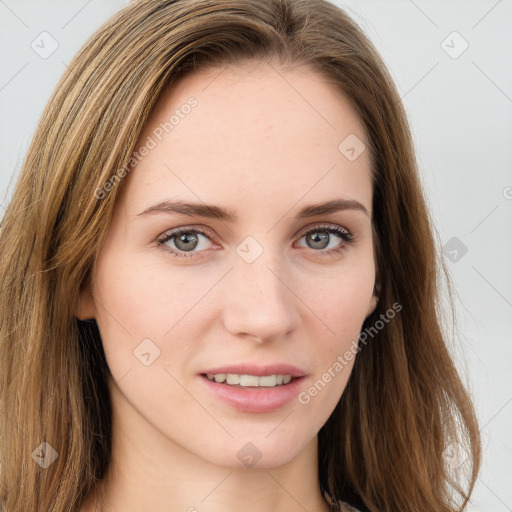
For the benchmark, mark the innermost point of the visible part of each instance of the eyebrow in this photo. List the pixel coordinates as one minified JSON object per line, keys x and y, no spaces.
{"x":217,"y":212}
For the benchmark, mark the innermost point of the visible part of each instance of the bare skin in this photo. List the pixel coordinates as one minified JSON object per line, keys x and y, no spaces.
{"x":265,"y":150}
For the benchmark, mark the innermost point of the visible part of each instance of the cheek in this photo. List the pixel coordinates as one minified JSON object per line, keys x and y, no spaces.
{"x":339,"y":305}
{"x":142,"y":295}
{"x":341,"y":299}
{"x":140,"y":299}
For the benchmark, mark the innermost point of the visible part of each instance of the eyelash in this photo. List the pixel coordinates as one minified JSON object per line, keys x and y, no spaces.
{"x":344,"y":234}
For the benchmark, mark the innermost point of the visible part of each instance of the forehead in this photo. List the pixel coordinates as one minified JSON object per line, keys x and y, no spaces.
{"x":255,"y":134}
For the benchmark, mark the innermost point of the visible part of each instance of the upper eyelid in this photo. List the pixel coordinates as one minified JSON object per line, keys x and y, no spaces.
{"x":203,"y":230}
{"x":174,"y":231}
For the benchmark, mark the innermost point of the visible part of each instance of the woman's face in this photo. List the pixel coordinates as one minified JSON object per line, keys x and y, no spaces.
{"x":271,"y":291}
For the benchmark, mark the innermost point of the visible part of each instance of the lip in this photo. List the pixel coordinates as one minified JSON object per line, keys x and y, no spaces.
{"x":259,"y":371}
{"x":255,"y":400}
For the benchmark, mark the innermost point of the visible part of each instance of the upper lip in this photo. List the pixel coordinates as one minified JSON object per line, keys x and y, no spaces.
{"x":251,"y":369}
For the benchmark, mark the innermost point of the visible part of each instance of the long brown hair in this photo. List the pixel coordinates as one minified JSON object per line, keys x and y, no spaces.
{"x":385,"y":444}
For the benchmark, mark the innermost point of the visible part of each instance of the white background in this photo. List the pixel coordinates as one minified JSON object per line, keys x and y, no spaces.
{"x":460,"y":112}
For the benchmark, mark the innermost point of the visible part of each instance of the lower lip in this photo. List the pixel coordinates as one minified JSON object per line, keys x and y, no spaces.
{"x":251,"y":399}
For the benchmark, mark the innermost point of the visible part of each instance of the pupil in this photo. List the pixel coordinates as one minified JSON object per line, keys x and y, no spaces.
{"x":183,"y":240}
{"x":319,"y":238}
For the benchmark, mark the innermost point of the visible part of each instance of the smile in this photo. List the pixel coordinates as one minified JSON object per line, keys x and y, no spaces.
{"x":244,"y":380}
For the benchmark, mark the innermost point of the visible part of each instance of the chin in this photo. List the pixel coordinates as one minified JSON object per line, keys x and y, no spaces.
{"x":254,"y":451}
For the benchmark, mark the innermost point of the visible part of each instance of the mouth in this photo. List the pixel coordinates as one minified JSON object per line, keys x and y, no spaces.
{"x":254,"y":390}
{"x":250,"y":381}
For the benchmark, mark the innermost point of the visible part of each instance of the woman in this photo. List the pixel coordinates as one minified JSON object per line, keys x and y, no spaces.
{"x":219,"y":278}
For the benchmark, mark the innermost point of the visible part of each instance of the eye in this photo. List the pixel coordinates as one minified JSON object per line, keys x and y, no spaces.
{"x":183,"y":242}
{"x":320,"y":237}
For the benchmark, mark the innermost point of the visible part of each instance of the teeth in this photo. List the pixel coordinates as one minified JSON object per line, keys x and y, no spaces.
{"x":268,"y":380}
{"x":234,"y":379}
{"x":249,"y":380}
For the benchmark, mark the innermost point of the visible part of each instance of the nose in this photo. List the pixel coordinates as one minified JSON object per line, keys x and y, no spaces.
{"x":260,"y":303}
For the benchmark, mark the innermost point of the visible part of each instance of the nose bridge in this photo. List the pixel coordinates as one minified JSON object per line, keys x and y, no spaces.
{"x":259,"y":301}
